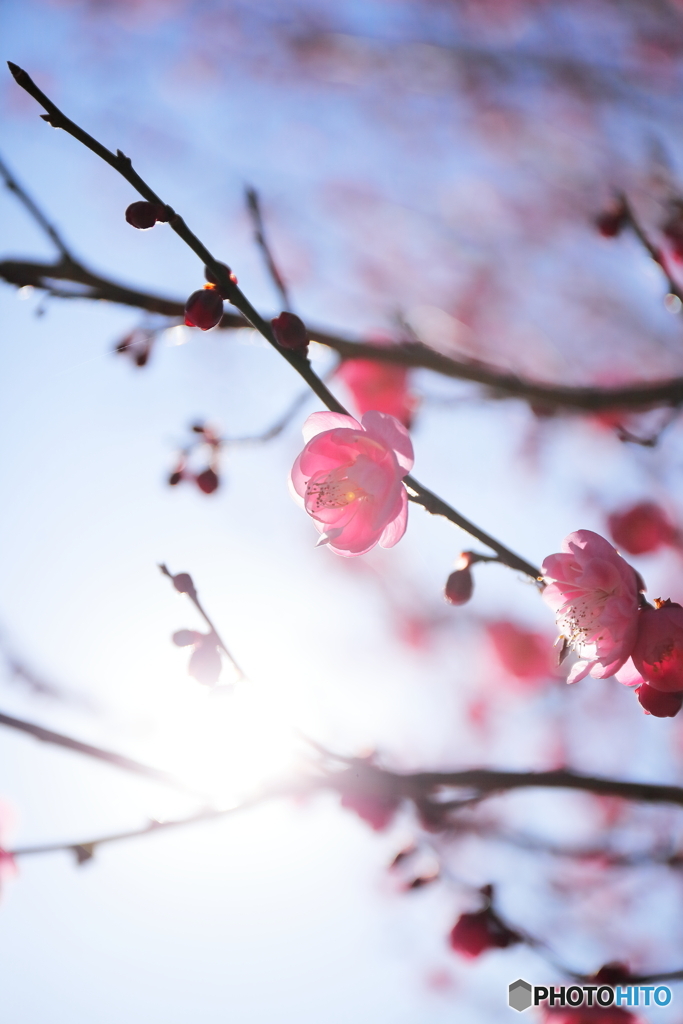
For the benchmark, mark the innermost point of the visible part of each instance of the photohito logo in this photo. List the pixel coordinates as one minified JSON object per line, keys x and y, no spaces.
{"x":522,"y":995}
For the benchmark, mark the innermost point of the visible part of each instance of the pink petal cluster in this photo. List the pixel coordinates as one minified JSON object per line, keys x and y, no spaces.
{"x":349,"y":478}
{"x":594,"y":593}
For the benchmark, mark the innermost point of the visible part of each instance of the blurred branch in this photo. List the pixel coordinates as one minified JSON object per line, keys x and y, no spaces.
{"x":254,"y":207}
{"x":632,"y":221}
{"x":299,"y":362}
{"x":99,"y":754}
{"x":414,"y":355}
{"x":35,"y":211}
{"x":184,"y":584}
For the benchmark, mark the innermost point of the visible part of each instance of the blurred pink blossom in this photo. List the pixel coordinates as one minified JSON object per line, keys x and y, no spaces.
{"x":522,"y":653}
{"x":642,"y":528}
{"x":594,"y":594}
{"x":349,"y":479}
{"x":380,"y":386}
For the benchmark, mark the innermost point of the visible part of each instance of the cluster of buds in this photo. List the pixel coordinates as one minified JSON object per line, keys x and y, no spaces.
{"x":207,"y":480}
{"x":204,"y":308}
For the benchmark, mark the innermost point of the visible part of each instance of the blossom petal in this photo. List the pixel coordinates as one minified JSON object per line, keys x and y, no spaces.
{"x":388,"y":430}
{"x":318,"y":422}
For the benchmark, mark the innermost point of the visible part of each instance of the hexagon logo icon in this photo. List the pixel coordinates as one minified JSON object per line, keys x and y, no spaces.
{"x":519,"y":995}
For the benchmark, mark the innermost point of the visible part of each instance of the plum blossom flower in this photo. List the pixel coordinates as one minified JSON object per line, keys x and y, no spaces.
{"x":642,"y":528}
{"x":349,"y":478}
{"x":382,"y":386}
{"x":594,"y":593}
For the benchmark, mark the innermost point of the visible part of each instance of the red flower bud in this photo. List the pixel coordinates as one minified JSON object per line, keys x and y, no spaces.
{"x":212,"y":279}
{"x":473,"y":934}
{"x":204,"y":308}
{"x":658,"y":651}
{"x":657,"y":703}
{"x":612,"y":221}
{"x":207,"y":481}
{"x":145,"y":215}
{"x":205,"y":663}
{"x":644,"y":527}
{"x":290,"y":332}
{"x":175,"y":478}
{"x":459,"y":586}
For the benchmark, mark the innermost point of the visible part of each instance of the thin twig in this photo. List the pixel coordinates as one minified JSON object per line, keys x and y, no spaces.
{"x":35,"y":211}
{"x":98,"y":753}
{"x":254,"y":207}
{"x":652,"y":249}
{"x":192,"y":594}
{"x":300,"y":363}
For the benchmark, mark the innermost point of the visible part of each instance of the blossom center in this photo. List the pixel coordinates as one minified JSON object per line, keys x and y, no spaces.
{"x":334,"y":490}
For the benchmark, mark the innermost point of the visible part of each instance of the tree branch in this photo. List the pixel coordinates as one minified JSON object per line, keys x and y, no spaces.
{"x":254,"y":207}
{"x":300,"y":363}
{"x":98,"y":753}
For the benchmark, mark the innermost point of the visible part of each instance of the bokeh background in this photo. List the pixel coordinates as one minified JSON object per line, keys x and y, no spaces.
{"x":435,"y":163}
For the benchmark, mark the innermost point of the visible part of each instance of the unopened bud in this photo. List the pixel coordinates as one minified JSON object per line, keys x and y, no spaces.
{"x":611,"y":222}
{"x":290,"y":332}
{"x":144,"y":215}
{"x":204,"y":308}
{"x":207,"y":481}
{"x":658,"y":703}
{"x":175,"y":478}
{"x":183,"y":583}
{"x":459,"y":586}
{"x":212,"y":279}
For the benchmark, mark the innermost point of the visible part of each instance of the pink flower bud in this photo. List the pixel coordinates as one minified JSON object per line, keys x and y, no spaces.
{"x":473,"y":934}
{"x":144,"y":215}
{"x":290,"y":332}
{"x":644,"y":527}
{"x":205,"y":663}
{"x":658,"y":652}
{"x":377,"y":810}
{"x":207,"y":481}
{"x":204,"y":308}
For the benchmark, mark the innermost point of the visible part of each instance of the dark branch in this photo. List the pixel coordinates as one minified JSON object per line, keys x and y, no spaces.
{"x":35,"y":211}
{"x":299,"y":362}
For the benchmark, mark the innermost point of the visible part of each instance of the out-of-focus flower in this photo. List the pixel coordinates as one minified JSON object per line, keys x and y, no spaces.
{"x":205,"y":661}
{"x":371,"y":796}
{"x":589,"y":1015}
{"x":381,"y":386}
{"x":658,"y":651}
{"x":8,"y":866}
{"x":473,"y":934}
{"x":521,"y":652}
{"x":349,"y":479}
{"x":290,"y":332}
{"x":642,"y":528}
{"x":594,"y":594}
{"x":204,"y":308}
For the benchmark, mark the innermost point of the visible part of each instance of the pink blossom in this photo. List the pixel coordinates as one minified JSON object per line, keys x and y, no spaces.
{"x":642,"y":528}
{"x":658,"y":651}
{"x":594,"y":594}
{"x":521,"y":652}
{"x":382,"y":386}
{"x":349,"y":478}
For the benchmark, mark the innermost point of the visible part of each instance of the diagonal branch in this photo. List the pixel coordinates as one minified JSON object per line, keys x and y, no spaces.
{"x":299,"y":362}
{"x":35,"y":211}
{"x":98,"y":753}
{"x":254,"y":207}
